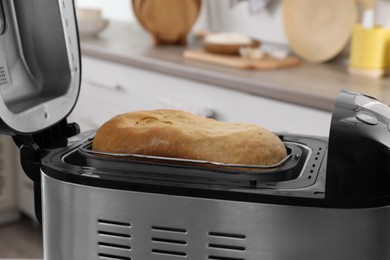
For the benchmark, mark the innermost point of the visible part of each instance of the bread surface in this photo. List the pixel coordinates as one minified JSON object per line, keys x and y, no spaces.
{"x":179,"y":134}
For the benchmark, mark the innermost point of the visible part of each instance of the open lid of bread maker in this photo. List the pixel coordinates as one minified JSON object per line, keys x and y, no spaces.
{"x":39,"y":64}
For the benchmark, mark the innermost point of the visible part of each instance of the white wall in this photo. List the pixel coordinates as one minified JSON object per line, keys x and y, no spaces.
{"x":122,"y":10}
{"x":218,"y":15}
{"x":112,"y":9}
{"x":268,"y":23}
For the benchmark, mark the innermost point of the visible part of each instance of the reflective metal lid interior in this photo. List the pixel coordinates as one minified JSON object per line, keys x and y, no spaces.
{"x":39,"y":64}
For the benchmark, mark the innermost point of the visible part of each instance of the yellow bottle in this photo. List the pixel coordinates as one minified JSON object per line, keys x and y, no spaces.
{"x":370,"y":51}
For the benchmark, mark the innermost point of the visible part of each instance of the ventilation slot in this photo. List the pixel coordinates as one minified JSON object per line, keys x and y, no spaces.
{"x":226,"y":235}
{"x":167,"y":252}
{"x":113,"y":240}
{"x":226,"y":246}
{"x":169,"y":241}
{"x":112,"y":257}
{"x":3,"y":76}
{"x":223,"y":258}
{"x":114,"y":223}
{"x":112,"y":234}
{"x":169,"y":229}
{"x":114,"y":246}
{"x":315,"y":163}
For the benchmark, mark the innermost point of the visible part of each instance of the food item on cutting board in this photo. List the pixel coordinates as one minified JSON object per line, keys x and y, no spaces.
{"x":179,"y":134}
{"x":251,"y":53}
{"x":228,"y":38}
{"x":228,"y":43}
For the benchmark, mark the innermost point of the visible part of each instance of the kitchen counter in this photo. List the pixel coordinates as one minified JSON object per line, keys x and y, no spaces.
{"x":310,"y":85}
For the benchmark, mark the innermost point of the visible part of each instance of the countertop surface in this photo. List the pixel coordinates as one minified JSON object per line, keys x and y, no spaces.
{"x":310,"y":85}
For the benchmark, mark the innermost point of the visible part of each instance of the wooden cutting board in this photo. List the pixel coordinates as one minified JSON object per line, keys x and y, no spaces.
{"x":318,"y":31}
{"x":168,"y":21}
{"x":266,"y":63}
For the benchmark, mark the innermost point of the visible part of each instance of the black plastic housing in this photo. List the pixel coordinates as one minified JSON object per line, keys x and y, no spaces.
{"x":306,"y":189}
{"x":358,"y":171}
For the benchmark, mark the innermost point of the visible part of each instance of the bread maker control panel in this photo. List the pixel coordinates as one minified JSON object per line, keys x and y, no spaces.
{"x":370,"y":109}
{"x":358,"y":170}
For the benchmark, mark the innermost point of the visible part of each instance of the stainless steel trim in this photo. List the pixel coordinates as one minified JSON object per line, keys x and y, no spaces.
{"x":85,"y":149}
{"x":213,"y":229}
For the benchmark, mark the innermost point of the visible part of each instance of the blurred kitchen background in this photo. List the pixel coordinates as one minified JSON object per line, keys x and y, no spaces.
{"x":221,"y":15}
{"x":21,"y":236}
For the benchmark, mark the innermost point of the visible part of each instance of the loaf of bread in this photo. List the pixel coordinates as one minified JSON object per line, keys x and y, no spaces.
{"x":179,"y":134}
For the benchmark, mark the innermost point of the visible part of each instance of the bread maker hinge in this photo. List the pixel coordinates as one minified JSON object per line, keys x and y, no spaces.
{"x":35,"y":146}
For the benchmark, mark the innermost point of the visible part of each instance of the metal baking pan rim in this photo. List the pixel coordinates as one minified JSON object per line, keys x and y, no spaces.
{"x":85,"y":150}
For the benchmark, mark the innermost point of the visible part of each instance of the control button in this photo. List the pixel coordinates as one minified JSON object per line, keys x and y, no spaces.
{"x":366,"y":117}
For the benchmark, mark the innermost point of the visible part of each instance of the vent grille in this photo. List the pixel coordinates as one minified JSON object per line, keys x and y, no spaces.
{"x":3,"y":76}
{"x":169,"y":241}
{"x":116,"y":242}
{"x":113,"y":240}
{"x":226,"y":246}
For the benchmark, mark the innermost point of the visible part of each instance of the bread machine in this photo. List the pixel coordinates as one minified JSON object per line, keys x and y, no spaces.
{"x":328,"y":199}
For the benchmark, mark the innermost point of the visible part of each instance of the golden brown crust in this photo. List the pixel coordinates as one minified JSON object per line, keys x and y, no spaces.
{"x":174,"y":133}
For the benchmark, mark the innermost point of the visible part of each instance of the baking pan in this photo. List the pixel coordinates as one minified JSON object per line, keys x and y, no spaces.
{"x":197,"y":170}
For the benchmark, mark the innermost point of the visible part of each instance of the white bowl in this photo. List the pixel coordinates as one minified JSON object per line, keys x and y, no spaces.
{"x":89,"y":13}
{"x":90,"y":28}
